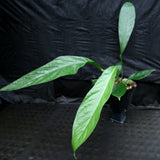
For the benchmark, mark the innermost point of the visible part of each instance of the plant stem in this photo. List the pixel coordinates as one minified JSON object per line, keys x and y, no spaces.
{"x":121,"y":67}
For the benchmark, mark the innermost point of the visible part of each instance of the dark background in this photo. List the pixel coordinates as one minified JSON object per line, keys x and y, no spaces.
{"x":35,"y":32}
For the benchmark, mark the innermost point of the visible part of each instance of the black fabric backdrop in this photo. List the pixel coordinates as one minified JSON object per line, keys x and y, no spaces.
{"x":34,"y":32}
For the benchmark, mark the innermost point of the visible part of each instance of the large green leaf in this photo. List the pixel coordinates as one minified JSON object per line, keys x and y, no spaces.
{"x":119,"y":90}
{"x":61,"y":66}
{"x":141,"y":74}
{"x":89,"y":111}
{"x":126,"y":24}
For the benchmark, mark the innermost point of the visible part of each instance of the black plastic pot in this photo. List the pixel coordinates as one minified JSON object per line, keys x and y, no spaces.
{"x":120,"y":107}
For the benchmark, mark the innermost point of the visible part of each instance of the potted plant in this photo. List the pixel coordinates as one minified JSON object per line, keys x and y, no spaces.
{"x":119,"y":106}
{"x":111,"y":81}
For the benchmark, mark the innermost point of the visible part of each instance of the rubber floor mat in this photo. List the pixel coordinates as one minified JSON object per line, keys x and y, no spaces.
{"x":43,"y":132}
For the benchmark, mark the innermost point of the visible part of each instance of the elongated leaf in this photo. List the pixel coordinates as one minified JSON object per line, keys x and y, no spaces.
{"x":126,"y":24}
{"x":89,"y":111}
{"x":61,"y":66}
{"x":141,"y":74}
{"x":119,"y":90}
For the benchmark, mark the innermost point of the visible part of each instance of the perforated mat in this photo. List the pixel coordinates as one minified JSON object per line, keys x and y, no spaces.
{"x":43,"y":132}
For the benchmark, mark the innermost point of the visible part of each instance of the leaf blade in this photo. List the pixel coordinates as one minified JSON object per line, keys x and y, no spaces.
{"x":61,"y":66}
{"x":141,"y":74}
{"x":119,"y":90}
{"x":89,"y":111}
{"x":126,"y":24}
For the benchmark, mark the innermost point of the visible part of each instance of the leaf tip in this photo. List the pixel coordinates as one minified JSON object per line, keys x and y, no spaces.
{"x":2,"y":89}
{"x":128,"y":4}
{"x":74,"y":149}
{"x":74,"y":155}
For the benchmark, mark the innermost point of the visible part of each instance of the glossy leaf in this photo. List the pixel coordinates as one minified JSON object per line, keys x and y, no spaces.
{"x":141,"y":74}
{"x":61,"y":66}
{"x":119,"y":90}
{"x":89,"y":111}
{"x":126,"y":24}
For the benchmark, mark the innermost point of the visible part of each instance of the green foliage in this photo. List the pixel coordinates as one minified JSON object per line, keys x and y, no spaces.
{"x":119,"y":90}
{"x":94,"y":81}
{"x":141,"y":74}
{"x":126,"y":24}
{"x":125,"y":27}
{"x":89,"y":111}
{"x":127,"y":81}
{"x":61,"y":66}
